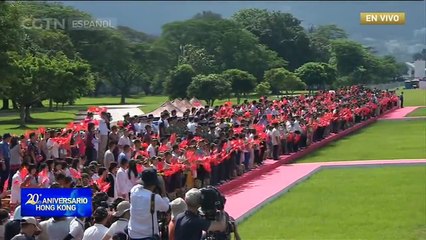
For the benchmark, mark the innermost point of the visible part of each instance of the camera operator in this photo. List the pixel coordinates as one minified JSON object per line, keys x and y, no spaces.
{"x":190,"y":225}
{"x":145,"y":204}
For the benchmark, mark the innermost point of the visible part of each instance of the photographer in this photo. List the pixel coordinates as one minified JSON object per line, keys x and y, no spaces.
{"x":145,"y":204}
{"x":190,"y":225}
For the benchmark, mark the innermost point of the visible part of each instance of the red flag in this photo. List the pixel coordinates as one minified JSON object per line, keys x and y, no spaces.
{"x":75,"y":173}
{"x":6,"y":185}
{"x":24,"y":173}
{"x":163,"y":148}
{"x":173,"y":138}
{"x":139,"y":168}
{"x":44,"y":176}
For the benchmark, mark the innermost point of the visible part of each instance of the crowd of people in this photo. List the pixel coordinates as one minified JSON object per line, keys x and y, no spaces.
{"x":171,"y":156}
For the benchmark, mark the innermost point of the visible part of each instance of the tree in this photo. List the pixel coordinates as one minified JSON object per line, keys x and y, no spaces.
{"x":263,"y":89}
{"x":157,"y":61}
{"x":320,"y":41}
{"x":198,"y":58}
{"x":10,"y":40}
{"x":231,"y":46}
{"x":209,"y":15}
{"x":71,"y":75}
{"x":209,"y":88}
{"x":316,"y":74}
{"x":281,"y":32}
{"x":180,"y":79}
{"x":242,"y":82}
{"x":348,"y":56}
{"x":276,"y":78}
{"x":293,"y":83}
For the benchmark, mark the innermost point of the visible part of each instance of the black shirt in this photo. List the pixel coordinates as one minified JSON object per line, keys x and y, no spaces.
{"x":190,"y":226}
{"x":12,"y":229}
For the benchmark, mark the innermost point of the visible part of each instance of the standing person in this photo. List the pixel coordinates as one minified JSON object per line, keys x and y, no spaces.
{"x":4,"y":219}
{"x":33,"y":151}
{"x":12,"y":228}
{"x":54,"y":228}
{"x":177,"y":206}
{"x":275,"y":140}
{"x":144,"y":206}
{"x":122,"y":182}
{"x":29,"y":228}
{"x":123,"y":215}
{"x":4,"y":159}
{"x":103,"y":132}
{"x":109,"y":154}
{"x":76,"y":229}
{"x":401,"y":99}
{"x":16,"y":155}
{"x":125,"y":154}
{"x":190,"y":225}
{"x":90,"y":147}
{"x":111,"y":179}
{"x":52,"y":146}
{"x":124,"y":140}
{"x":97,"y":231}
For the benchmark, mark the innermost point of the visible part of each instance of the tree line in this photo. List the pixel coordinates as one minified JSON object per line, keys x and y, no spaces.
{"x":207,"y":56}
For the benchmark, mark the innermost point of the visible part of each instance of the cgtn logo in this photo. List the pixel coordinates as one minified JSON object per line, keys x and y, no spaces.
{"x":63,"y":202}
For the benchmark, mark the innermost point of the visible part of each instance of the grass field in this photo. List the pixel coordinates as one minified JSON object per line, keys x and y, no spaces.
{"x":419,"y":112}
{"x":381,"y":140}
{"x":358,"y":203}
{"x":414,"y":97}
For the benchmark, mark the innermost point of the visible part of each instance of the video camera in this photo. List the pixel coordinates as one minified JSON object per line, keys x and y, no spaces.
{"x":212,"y":208}
{"x":212,"y":203}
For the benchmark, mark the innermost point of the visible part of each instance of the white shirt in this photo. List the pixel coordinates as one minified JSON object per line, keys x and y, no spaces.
{"x":76,"y":229}
{"x":53,"y":148}
{"x":140,"y":225}
{"x":192,"y":127}
{"x":274,"y":135}
{"x":117,"y":227}
{"x":52,"y":229}
{"x":151,"y":151}
{"x":15,"y":191}
{"x":95,"y":232}
{"x":124,"y":141}
{"x":122,"y":182}
{"x":103,"y":128}
{"x":296,"y":127}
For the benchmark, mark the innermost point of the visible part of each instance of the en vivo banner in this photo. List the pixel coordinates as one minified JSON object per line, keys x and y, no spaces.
{"x":58,"y":202}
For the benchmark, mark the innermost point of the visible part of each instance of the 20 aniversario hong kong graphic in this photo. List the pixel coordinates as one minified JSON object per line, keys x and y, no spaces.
{"x":56,"y":202}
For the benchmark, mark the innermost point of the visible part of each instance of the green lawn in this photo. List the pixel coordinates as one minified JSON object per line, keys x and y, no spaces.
{"x":414,"y":97}
{"x":359,"y":203}
{"x":381,"y":140}
{"x":419,"y":112}
{"x":9,"y":120}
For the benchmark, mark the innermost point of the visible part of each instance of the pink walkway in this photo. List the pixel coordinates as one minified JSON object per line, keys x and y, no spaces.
{"x":399,"y":113}
{"x":245,"y":199}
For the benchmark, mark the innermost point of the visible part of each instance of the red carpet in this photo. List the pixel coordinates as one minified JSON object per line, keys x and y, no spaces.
{"x":399,"y":113}
{"x":251,"y":195}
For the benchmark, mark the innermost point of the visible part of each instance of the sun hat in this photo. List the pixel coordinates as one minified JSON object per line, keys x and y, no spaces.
{"x":178,"y":206}
{"x":122,"y":208}
{"x":30,"y":220}
{"x":193,"y":197}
